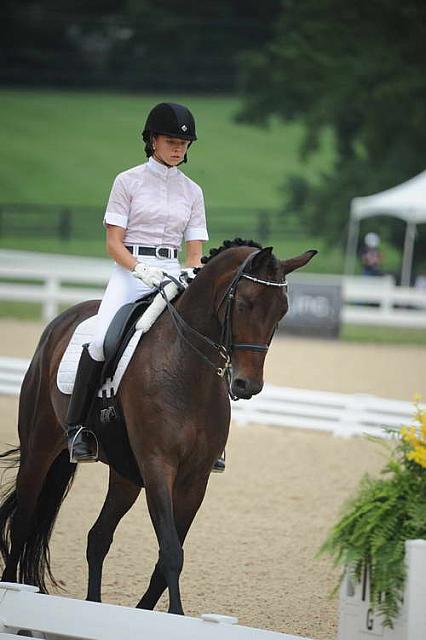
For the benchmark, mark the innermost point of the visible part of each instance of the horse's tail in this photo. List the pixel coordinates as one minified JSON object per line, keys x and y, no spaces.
{"x":34,"y":561}
{"x":9,"y":459}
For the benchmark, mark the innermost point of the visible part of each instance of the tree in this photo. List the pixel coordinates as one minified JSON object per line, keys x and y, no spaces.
{"x":355,"y":68}
{"x":166,"y":45}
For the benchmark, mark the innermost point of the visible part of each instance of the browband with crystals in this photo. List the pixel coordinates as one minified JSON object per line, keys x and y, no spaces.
{"x":267,"y":282}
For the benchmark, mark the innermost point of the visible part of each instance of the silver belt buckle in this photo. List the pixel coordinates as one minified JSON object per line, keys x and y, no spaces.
{"x":160,"y":257}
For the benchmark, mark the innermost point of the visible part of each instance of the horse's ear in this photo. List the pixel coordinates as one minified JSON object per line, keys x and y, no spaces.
{"x":261,"y":258}
{"x":298,"y":261}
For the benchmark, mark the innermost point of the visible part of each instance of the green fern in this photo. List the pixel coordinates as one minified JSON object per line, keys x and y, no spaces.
{"x":371,"y":533}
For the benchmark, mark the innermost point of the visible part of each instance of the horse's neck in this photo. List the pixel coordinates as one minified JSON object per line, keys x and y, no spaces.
{"x":196,"y":306}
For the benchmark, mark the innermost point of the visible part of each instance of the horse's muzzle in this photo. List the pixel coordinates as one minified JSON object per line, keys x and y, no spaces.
{"x":245,"y":388}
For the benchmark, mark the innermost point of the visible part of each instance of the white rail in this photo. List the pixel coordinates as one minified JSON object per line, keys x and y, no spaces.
{"x":342,"y":414}
{"x":52,"y":280}
{"x":396,"y":306}
{"x":22,"y":610}
{"x":12,"y":371}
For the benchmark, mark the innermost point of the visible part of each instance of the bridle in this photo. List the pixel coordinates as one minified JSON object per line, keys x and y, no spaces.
{"x":228,"y":300}
{"x":227,"y":345}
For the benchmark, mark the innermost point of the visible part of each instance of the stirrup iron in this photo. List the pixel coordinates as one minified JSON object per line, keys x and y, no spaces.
{"x":89,"y":456}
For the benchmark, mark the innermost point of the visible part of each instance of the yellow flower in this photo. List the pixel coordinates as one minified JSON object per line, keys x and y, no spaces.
{"x":418,"y":455}
{"x":409,"y":435}
{"x":415,"y":437}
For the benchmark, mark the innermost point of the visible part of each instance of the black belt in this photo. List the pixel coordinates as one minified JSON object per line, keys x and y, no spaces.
{"x":159,"y":252}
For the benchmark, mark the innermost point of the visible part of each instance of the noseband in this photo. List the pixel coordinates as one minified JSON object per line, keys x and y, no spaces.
{"x":226,"y":345}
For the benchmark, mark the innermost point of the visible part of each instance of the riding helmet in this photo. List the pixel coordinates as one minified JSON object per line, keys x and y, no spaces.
{"x":170,"y":119}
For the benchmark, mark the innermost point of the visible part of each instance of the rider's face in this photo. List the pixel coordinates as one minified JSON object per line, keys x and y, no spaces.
{"x":169,"y":150}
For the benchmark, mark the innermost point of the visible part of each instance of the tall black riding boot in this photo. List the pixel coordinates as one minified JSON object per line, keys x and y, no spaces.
{"x":82,"y":443}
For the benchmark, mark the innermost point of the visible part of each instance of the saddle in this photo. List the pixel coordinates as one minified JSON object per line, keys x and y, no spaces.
{"x":120,"y":332}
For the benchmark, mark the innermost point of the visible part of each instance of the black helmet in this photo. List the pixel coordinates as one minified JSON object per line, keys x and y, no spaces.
{"x":170,"y":119}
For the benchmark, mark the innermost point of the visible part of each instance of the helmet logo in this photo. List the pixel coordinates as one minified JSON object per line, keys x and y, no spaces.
{"x":184,"y":127}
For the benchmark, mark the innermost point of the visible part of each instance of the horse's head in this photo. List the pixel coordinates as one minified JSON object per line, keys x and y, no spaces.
{"x":251,"y":300}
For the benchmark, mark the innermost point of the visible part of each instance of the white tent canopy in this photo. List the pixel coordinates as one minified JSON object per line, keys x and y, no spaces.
{"x":407,"y":201}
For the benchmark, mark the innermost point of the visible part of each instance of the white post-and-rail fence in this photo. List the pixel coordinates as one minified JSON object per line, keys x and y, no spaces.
{"x":55,"y":280}
{"x":51,"y":280}
{"x":339,"y":413}
{"x":396,"y":306}
{"x":23,"y":611}
{"x":12,"y":371}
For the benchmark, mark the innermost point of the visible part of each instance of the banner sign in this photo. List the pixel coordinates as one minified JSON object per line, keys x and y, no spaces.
{"x":314,"y":308}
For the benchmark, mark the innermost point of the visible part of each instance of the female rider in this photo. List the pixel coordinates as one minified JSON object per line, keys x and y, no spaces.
{"x":152,"y":208}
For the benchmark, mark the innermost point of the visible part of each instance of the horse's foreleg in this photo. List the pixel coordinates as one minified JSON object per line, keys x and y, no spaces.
{"x":120,"y":498}
{"x":159,"y":480}
{"x":156,"y":588}
{"x":186,"y":502}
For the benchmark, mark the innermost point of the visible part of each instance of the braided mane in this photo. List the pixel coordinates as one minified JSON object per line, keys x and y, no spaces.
{"x":227,"y":244}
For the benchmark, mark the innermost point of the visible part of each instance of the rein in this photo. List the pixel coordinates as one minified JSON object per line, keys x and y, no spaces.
{"x":227,"y":345}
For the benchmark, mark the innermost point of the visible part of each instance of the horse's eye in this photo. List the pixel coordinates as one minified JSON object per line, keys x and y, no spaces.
{"x":243,"y":305}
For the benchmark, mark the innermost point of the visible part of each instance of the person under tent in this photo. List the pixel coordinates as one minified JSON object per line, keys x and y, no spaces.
{"x":371,"y":256}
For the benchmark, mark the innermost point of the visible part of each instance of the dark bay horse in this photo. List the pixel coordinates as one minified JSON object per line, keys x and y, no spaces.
{"x":177,"y":413}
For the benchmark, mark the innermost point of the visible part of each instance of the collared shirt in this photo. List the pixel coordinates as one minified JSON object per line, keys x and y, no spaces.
{"x":157,"y":205}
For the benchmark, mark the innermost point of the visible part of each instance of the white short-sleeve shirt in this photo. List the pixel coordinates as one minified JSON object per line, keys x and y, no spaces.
{"x":157,"y":205}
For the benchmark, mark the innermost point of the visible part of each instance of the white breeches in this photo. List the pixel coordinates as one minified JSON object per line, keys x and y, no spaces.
{"x":123,"y":287}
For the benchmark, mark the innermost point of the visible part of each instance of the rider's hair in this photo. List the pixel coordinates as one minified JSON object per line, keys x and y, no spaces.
{"x":149,"y":151}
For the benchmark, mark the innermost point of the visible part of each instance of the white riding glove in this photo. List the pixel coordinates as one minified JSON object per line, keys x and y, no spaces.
{"x":151,"y":276}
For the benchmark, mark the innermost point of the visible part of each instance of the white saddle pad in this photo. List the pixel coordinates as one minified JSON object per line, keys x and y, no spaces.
{"x":84,"y":332}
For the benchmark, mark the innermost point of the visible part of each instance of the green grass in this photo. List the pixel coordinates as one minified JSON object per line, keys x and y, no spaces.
{"x":67,"y":147}
{"x":64,"y":148}
{"x":20,"y":310}
{"x":385,"y":335}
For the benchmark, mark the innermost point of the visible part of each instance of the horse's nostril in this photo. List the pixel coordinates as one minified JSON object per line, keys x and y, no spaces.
{"x":240,"y":384}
